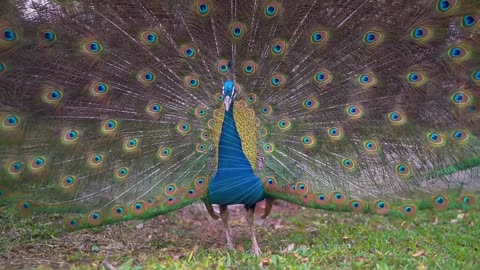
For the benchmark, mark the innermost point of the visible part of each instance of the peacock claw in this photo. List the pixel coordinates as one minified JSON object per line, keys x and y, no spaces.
{"x":255,"y":251}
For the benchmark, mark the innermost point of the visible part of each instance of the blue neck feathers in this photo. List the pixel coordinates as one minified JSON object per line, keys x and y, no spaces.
{"x":235,"y":182}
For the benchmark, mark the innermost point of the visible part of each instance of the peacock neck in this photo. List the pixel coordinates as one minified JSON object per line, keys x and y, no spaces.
{"x":230,"y":152}
{"x":235,"y":181}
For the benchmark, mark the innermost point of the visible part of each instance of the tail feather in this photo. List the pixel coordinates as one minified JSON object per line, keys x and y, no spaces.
{"x":110,"y":110}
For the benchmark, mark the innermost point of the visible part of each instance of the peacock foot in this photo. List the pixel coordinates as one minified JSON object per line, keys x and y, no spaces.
{"x":230,"y":245}
{"x":255,"y":251}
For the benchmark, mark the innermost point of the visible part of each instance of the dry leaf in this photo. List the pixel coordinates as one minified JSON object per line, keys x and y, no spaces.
{"x":435,"y":222}
{"x":178,"y":256}
{"x":240,"y":247}
{"x":303,"y":247}
{"x":289,"y":248}
{"x":265,"y":262}
{"x":421,"y":252}
{"x":277,"y":226}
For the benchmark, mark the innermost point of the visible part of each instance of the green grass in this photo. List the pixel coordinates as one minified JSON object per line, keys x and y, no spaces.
{"x":290,"y":239}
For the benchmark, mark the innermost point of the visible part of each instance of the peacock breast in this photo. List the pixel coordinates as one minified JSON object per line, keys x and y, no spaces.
{"x":235,"y":141}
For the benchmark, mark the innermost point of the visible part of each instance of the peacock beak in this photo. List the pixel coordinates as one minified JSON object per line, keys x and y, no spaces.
{"x":228,"y":102}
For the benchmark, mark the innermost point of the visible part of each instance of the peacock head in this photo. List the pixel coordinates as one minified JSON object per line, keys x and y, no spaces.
{"x":229,"y":93}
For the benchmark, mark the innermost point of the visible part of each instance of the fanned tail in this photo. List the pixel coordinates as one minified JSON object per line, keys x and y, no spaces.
{"x":366,"y":109}
{"x":104,"y":109}
{"x":111,"y":110}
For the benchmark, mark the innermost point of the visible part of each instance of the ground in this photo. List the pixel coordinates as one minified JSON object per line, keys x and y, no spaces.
{"x":290,"y":238}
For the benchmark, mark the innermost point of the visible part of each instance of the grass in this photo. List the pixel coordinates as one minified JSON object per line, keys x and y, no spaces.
{"x":291,"y":238}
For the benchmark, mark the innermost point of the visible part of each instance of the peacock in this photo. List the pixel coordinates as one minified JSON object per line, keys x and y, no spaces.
{"x":119,"y":110}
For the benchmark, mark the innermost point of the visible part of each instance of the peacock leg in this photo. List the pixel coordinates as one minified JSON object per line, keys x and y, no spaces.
{"x":211,"y":211}
{"x":224,"y":216}
{"x":255,"y":250}
{"x":268,"y":207}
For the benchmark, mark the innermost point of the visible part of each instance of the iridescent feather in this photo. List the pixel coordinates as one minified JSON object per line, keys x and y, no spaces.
{"x":114,"y":110}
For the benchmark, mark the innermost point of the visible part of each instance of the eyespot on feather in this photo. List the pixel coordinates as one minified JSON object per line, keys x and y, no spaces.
{"x":321,"y":199}
{"x":191,"y":82}
{"x":138,"y":208}
{"x":52,"y":95}
{"x":271,"y":9}
{"x":302,"y":188}
{"x":468,"y":199}
{"x":188,"y":51}
{"x":92,"y":47}
{"x":421,"y":34}
{"x":323,"y":77}
{"x":440,"y":202}
{"x":172,"y":200}
{"x":146,"y":77}
{"x":249,"y":68}
{"x":446,"y":6}
{"x":373,"y":38}
{"x":310,"y":103}
{"x":223,"y":67}
{"x":68,"y":182}
{"x":335,"y":134}
{"x":183,"y":128}
{"x":96,"y":160}
{"x":408,"y":210}
{"x":268,"y":148}
{"x":149,"y":38}
{"x":95,"y":218}
{"x":15,"y":168}
{"x":170,"y":190}
{"x":153,"y":109}
{"x":72,"y":223}
{"x":37,"y":164}
{"x":47,"y":36}
{"x":202,"y":7}
{"x":237,"y":30}
{"x":279,"y":47}
{"x":381,"y":207}
{"x":118,"y":211}
{"x":403,"y":170}
{"x":354,"y":111}
{"x":396,"y":118}
{"x":356,"y":205}
{"x":461,"y":98}
{"x":121,"y":174}
{"x":319,"y":37}
{"x":337,"y":198}
{"x":98,"y":89}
